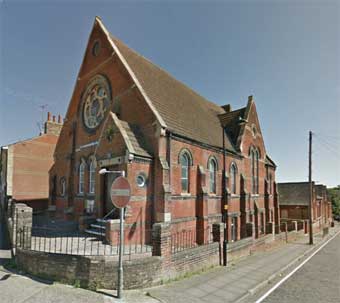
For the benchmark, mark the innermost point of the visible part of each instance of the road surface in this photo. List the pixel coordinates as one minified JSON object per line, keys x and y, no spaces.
{"x":318,"y":280}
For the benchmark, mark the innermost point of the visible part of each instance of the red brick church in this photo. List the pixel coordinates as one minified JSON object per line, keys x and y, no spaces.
{"x":126,"y":113}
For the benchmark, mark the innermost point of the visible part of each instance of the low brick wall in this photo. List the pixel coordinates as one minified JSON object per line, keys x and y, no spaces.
{"x":101,"y":271}
{"x":193,"y":260}
{"x":90,"y":272}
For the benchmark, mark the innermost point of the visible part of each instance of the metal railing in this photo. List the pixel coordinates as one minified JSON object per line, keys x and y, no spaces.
{"x":190,"y":238}
{"x":75,"y":243}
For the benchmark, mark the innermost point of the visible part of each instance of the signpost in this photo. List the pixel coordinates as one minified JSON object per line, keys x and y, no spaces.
{"x":120,"y":197}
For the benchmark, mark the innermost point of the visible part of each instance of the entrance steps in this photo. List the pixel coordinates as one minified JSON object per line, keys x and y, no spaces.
{"x":97,"y":229}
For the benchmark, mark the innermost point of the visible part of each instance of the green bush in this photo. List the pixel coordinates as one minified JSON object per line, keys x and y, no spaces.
{"x":334,"y":196}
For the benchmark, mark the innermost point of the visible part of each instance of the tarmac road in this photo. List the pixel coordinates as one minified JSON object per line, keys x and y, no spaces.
{"x":317,"y":281}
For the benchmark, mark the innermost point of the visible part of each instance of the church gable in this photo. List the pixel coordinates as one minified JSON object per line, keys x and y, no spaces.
{"x":250,"y":133}
{"x":103,"y":85}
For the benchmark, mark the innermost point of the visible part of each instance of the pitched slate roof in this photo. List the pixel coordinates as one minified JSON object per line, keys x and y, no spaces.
{"x":293,"y":193}
{"x":231,"y":121}
{"x":269,"y":161}
{"x":185,"y":112}
{"x":136,"y":139}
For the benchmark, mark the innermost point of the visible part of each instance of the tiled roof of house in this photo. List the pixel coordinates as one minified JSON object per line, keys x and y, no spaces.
{"x":293,"y":193}
{"x":185,"y":112}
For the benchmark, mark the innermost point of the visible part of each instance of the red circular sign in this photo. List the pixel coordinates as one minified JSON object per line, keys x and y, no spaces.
{"x":120,"y":192}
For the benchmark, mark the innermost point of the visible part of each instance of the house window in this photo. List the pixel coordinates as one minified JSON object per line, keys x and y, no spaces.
{"x":233,"y":175}
{"x":62,"y":187}
{"x":81,"y":177}
{"x":141,"y":180}
{"x":92,"y":176}
{"x":185,"y":161}
{"x":254,"y":155}
{"x":212,"y":166}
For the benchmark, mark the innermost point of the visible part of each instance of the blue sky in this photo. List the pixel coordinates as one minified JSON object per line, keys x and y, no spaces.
{"x":285,"y":53}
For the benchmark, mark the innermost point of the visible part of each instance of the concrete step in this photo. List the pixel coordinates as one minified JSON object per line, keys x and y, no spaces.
{"x":97,"y":226}
{"x":94,"y":232}
{"x":101,"y":221}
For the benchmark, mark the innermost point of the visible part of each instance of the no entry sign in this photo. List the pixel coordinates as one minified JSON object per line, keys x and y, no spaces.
{"x":120,"y":192}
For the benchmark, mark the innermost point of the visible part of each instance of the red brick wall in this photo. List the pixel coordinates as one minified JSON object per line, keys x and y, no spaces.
{"x":32,"y":160}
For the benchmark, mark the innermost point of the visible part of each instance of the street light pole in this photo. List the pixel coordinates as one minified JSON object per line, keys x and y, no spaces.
{"x":121,"y":237}
{"x":225,"y":205}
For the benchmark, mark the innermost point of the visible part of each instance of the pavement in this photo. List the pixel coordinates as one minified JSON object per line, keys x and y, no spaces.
{"x":236,"y":283}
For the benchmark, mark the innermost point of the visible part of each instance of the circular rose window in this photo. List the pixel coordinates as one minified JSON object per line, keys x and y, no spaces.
{"x":96,"y":100}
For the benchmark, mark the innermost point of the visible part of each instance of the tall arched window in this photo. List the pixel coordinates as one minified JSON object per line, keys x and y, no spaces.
{"x":253,"y":169}
{"x":212,"y":166}
{"x":257,"y":172}
{"x":185,"y":162}
{"x":62,"y":186}
{"x":81,"y":177}
{"x":92,"y":176}
{"x":233,"y":177}
{"x":270,"y":181}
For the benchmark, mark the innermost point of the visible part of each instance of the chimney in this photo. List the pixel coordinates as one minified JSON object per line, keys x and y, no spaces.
{"x":53,"y":127}
{"x":227,"y":108}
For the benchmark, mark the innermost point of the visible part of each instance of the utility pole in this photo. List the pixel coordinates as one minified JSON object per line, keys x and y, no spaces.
{"x":310,"y":191}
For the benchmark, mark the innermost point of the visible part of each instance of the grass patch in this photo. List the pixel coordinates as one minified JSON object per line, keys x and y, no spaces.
{"x":11,"y":264}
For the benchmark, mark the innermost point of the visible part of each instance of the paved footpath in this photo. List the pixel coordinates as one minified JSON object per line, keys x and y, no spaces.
{"x":19,"y":289}
{"x":234,"y":283}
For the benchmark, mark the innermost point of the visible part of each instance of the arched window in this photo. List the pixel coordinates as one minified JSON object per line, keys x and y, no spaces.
{"x":212,"y":166}
{"x":81,"y":177}
{"x":257,"y":172}
{"x":185,"y":162}
{"x":92,"y":176}
{"x":252,"y":158}
{"x":270,"y":181}
{"x":62,"y":186}
{"x":233,"y":177}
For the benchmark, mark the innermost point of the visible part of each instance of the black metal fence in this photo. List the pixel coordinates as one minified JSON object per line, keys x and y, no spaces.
{"x":75,"y":243}
{"x":186,"y":239}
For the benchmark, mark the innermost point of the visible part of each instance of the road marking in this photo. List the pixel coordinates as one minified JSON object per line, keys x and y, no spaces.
{"x":295,"y":270}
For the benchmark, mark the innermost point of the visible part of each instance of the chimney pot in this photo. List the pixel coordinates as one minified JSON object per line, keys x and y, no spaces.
{"x":49,"y":116}
{"x":60,"y":119}
{"x":53,"y":118}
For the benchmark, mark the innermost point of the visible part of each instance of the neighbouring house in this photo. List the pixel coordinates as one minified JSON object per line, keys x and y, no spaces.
{"x":126,"y":113}
{"x":294,"y":199}
{"x":25,"y":167}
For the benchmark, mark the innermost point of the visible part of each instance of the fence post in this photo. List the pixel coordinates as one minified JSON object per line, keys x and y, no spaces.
{"x":217,"y":232}
{"x":161,"y":240}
